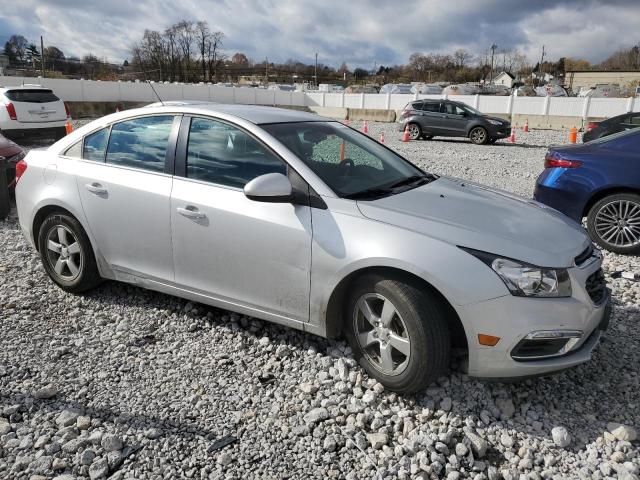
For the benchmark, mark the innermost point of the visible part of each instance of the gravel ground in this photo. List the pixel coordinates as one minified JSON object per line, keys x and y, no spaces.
{"x":127,"y":383}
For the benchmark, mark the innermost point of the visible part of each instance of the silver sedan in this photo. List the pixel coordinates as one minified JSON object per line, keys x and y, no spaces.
{"x":303,"y":221}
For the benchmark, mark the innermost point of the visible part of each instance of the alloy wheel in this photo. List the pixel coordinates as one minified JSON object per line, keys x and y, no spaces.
{"x":382,"y":334}
{"x":618,"y":223}
{"x":64,"y":253}
{"x":478,"y":135}
{"x":414,"y":131}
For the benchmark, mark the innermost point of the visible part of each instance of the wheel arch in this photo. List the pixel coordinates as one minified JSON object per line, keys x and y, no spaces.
{"x":335,"y":306}
{"x":605,"y":192}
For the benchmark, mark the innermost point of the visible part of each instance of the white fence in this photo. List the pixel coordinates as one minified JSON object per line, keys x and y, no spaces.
{"x":512,"y":105}
{"x":99,"y":91}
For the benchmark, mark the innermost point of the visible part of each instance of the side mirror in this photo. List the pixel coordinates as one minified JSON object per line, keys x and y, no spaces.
{"x":271,"y":187}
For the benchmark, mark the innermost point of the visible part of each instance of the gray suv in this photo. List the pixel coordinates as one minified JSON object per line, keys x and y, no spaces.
{"x":446,"y":118}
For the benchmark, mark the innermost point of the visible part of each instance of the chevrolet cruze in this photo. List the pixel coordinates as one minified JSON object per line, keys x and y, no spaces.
{"x":300,"y":220}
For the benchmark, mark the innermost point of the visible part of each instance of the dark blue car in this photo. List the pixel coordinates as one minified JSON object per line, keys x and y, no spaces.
{"x":599,"y":180}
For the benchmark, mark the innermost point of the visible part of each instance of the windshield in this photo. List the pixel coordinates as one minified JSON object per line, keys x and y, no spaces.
{"x":353,"y":165}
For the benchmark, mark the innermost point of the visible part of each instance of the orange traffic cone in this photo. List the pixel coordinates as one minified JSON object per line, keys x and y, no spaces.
{"x":68,"y":127}
{"x":365,"y":127}
{"x":117,"y":109}
{"x":342,"y":152}
{"x":381,"y":137}
{"x":573,"y":135}
{"x":512,"y":137}
{"x":526,"y":126}
{"x":405,"y":134}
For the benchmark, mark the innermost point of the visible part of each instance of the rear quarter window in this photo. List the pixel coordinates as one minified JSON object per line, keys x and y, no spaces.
{"x":31,"y":96}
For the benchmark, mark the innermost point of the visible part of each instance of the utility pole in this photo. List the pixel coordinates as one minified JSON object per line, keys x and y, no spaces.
{"x":493,"y":51}
{"x":315,"y":72}
{"x":541,"y":61}
{"x":266,"y":70}
{"x":42,"y":55}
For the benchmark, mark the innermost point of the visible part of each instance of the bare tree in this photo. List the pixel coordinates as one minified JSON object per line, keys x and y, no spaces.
{"x":461,"y":57}
{"x":203,"y":38}
{"x":185,"y":39}
{"x":214,"y":57}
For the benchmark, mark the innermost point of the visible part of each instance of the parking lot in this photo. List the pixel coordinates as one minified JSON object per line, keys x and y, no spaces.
{"x":152,"y":382}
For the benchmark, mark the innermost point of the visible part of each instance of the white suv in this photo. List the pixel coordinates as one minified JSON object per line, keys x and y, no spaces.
{"x":32,"y":110}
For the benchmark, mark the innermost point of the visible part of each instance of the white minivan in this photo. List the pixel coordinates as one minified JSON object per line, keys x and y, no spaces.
{"x":31,"y":110}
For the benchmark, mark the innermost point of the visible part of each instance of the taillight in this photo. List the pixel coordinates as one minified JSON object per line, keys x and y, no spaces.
{"x":21,"y":167}
{"x":67,"y":110}
{"x":552,"y":160}
{"x":11,"y":110}
{"x":591,"y":125}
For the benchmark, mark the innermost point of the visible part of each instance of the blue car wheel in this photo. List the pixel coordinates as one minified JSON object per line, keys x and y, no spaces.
{"x":614,"y":223}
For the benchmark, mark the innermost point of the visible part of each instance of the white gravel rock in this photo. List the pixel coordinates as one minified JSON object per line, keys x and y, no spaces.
{"x":622,"y":432}
{"x":561,"y":436}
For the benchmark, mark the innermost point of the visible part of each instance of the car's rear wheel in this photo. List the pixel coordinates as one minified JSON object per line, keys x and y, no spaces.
{"x":66,"y":253}
{"x":398,"y":332}
{"x":414,"y":131}
{"x":479,"y":135}
{"x":614,"y":223}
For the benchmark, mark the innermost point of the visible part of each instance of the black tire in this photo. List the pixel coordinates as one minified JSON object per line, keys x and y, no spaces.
{"x":602,"y":213}
{"x":424,"y":317}
{"x":87,"y":276}
{"x":415,"y":132}
{"x":479,"y":135}
{"x":427,"y":137}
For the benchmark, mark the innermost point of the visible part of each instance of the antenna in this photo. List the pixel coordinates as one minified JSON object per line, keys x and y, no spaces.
{"x":154,"y":91}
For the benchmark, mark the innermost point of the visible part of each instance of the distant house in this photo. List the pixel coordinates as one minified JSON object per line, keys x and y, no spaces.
{"x":504,"y":78}
{"x":579,"y":80}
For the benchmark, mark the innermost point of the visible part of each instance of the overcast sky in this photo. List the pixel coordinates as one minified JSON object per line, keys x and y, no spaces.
{"x":359,"y":32}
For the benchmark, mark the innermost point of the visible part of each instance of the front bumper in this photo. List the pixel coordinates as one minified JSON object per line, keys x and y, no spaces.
{"x":513,"y":318}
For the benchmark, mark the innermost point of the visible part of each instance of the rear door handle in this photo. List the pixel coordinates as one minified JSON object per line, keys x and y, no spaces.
{"x":191,"y":212}
{"x":96,"y":188}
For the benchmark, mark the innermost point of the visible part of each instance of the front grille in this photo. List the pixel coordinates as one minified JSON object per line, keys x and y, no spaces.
{"x":597,"y":286}
{"x":584,"y":256}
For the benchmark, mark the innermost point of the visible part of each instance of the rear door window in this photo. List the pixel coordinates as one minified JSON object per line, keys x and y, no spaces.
{"x":416,"y":106}
{"x":140,"y":143}
{"x":31,"y":96}
{"x":433,"y":107}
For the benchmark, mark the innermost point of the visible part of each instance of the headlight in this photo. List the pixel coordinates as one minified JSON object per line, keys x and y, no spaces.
{"x":494,"y":122}
{"x":525,"y":280}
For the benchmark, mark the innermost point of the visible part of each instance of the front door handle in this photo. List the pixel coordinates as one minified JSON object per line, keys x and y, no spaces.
{"x":191,"y":212}
{"x":96,"y":188}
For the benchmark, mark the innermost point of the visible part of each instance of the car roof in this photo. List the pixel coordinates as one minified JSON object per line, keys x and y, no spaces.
{"x":256,"y":114}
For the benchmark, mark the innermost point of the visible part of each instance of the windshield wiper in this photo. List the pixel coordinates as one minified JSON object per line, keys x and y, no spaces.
{"x":413,"y":180}
{"x":369,"y":193}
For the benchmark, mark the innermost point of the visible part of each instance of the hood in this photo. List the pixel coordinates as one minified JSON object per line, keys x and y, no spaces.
{"x":470,"y":215}
{"x":502,"y":120}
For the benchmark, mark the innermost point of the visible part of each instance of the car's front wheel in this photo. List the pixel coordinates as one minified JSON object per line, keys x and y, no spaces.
{"x":479,"y":135}
{"x":614,"y":223}
{"x":398,"y":332}
{"x":66,"y":253}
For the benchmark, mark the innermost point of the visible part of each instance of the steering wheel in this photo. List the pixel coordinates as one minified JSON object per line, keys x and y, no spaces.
{"x":345,"y":166}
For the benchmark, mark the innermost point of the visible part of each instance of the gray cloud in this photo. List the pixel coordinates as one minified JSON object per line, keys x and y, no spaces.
{"x":361,"y":32}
